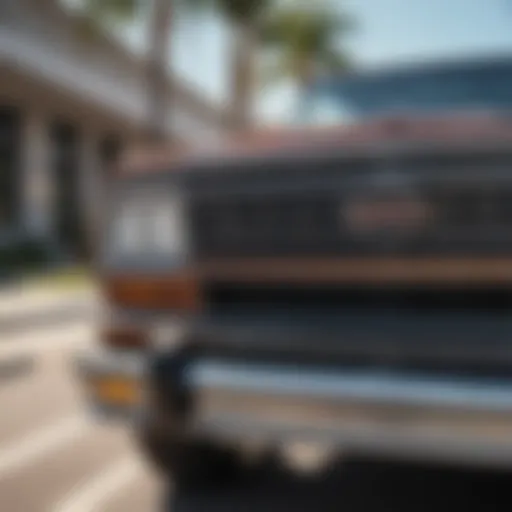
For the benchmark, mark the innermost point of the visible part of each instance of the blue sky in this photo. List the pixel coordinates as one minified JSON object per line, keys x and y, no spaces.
{"x":388,"y":31}
{"x":412,"y":29}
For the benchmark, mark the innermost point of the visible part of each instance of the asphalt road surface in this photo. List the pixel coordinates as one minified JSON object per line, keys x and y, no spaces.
{"x":54,"y":458}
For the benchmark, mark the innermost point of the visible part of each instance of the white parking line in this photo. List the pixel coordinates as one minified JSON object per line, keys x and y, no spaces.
{"x":39,"y":443}
{"x":54,"y":339}
{"x":95,"y":492}
{"x":21,"y":302}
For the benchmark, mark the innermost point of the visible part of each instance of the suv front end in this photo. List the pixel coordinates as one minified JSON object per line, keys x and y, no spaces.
{"x":354,"y":294}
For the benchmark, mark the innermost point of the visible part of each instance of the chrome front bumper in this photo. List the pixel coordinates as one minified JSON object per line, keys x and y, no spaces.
{"x":457,"y":420}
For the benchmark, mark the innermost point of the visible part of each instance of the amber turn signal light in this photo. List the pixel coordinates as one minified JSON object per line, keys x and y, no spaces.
{"x":117,"y":391}
{"x":176,"y":292}
{"x":124,"y":337}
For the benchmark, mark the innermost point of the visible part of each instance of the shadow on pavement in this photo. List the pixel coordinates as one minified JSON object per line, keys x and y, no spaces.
{"x":16,"y":367}
{"x":358,"y":486}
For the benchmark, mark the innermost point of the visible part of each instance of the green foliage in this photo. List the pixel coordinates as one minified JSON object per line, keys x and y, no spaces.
{"x":96,"y":15}
{"x":244,"y":12}
{"x":306,"y":34}
{"x":307,"y":38}
{"x":115,"y":10}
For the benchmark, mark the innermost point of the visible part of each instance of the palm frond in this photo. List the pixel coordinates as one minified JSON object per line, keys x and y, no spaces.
{"x":277,"y":71}
{"x":114,"y":10}
{"x":335,"y":61}
{"x":243,"y":12}
{"x":309,"y":38}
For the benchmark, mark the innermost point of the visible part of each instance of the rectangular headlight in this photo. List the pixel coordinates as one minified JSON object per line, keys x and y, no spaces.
{"x":149,"y":224}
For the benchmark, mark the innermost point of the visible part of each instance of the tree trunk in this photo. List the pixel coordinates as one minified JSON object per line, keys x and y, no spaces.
{"x":157,"y":76}
{"x":243,"y":72}
{"x":305,"y":73}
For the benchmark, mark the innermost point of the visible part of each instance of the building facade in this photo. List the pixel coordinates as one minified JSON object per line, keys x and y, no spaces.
{"x":68,"y":105}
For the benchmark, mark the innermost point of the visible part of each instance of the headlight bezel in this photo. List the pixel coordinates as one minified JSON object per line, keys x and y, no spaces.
{"x":155,"y":208}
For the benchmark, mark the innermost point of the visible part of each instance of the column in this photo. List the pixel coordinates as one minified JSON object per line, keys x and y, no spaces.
{"x":37,"y":179}
{"x":91,"y":193}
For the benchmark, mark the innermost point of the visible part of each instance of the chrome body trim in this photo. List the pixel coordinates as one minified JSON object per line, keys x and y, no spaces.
{"x":457,"y":420}
{"x":380,"y":387}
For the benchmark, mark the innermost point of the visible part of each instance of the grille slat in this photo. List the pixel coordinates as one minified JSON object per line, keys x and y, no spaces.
{"x":377,"y":323}
{"x":471,"y":208}
{"x":266,"y":225}
{"x":432,"y":330}
{"x":466,"y":220}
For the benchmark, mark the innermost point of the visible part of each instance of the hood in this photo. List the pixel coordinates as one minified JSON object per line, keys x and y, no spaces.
{"x":467,"y":130}
{"x":436,"y":129}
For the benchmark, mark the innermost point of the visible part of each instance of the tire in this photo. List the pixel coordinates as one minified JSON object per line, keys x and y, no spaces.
{"x":192,"y":463}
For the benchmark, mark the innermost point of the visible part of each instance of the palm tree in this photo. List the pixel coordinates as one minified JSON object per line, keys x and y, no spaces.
{"x":304,"y":37}
{"x":246,"y":18}
{"x":158,"y":53}
{"x":304,"y":33}
{"x":307,"y":42}
{"x":99,"y":12}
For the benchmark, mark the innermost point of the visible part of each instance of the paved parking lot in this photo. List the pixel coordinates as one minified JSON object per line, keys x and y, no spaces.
{"x":54,"y":458}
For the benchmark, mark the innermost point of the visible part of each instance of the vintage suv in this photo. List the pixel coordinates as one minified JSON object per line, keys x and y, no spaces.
{"x":349,"y":286}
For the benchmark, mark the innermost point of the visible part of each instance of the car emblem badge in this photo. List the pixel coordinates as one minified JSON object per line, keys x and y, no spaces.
{"x":389,"y":207}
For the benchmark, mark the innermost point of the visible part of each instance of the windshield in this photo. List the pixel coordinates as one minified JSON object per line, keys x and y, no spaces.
{"x":482,"y":86}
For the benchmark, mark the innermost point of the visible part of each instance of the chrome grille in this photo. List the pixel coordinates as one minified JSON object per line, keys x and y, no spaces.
{"x":299,"y":213}
{"x":477,"y":210}
{"x":259,"y":225}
